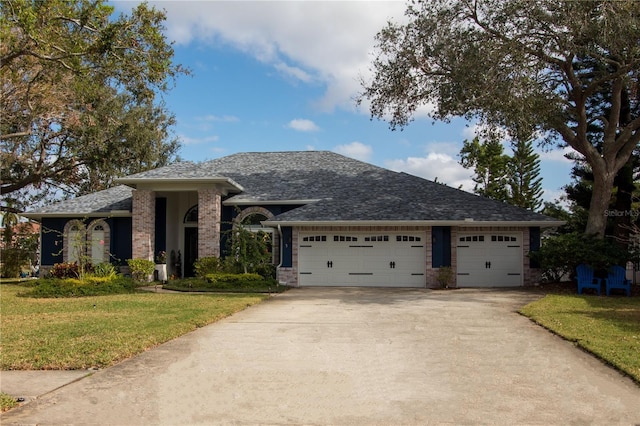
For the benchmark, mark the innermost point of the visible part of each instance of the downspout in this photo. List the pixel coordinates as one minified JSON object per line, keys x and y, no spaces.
{"x":281,"y":255}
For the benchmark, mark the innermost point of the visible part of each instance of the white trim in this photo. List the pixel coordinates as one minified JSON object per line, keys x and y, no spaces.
{"x":459,"y":223}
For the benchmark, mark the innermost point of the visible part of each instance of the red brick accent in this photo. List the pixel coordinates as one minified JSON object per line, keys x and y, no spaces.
{"x":209,"y":209}
{"x":143,"y":224}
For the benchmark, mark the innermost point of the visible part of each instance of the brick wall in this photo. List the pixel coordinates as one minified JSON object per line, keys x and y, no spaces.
{"x":143,"y":224}
{"x":208,"y":223}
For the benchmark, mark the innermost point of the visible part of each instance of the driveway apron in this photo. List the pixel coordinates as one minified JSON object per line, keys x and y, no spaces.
{"x":353,"y":356}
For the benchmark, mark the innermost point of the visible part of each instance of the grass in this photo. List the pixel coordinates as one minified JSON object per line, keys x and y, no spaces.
{"x":608,"y":327}
{"x":100,"y":331}
{"x":7,"y":402}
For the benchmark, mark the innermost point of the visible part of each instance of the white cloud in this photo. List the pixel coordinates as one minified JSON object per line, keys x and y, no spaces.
{"x":557,"y":155}
{"x":435,"y":166}
{"x":356,"y":150}
{"x":186,"y":140}
{"x":303,"y":125}
{"x":328,"y":42}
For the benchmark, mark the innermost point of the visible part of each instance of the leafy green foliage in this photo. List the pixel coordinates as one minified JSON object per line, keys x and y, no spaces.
{"x":248,"y":252}
{"x":105,"y":269}
{"x":82,"y":89}
{"x":89,"y":286}
{"x":561,"y":254}
{"x":490,"y":167}
{"x":533,"y":68}
{"x":227,"y":282}
{"x":207,"y":265}
{"x":141,"y":269}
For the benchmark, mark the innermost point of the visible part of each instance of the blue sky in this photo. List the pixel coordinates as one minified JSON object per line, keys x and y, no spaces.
{"x":279,"y":76}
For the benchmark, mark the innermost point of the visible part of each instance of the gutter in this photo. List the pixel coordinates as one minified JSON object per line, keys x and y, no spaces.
{"x":460,"y":223}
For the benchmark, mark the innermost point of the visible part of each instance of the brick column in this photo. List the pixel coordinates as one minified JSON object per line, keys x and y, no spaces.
{"x":143,"y":224}
{"x":209,"y":208}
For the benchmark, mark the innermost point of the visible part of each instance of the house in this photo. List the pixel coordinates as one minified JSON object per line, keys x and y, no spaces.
{"x":335,"y":221}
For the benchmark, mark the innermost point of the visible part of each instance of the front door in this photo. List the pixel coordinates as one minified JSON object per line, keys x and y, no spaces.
{"x":190,"y":250}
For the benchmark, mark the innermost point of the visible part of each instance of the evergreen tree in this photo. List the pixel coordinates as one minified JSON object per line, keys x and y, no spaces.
{"x":525,"y":183}
{"x":490,"y":167}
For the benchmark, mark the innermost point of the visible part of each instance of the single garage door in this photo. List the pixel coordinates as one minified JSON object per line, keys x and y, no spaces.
{"x":489,"y":260}
{"x":362,"y":259}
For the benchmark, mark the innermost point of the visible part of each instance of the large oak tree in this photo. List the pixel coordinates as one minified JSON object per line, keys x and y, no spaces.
{"x":81,"y":96}
{"x":524,"y":65}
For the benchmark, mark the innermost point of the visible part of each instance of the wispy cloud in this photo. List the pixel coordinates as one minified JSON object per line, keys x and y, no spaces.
{"x":303,"y":125}
{"x":218,"y":118}
{"x":186,"y":140}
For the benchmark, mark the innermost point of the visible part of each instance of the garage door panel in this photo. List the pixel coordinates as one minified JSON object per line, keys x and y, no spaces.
{"x":489,"y":260}
{"x":371,"y":259}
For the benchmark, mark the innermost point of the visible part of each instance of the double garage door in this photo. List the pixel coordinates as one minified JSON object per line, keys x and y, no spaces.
{"x":362,"y":259}
{"x":489,"y":260}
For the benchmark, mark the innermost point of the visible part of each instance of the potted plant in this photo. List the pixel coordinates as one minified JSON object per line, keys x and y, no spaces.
{"x":161,"y":265}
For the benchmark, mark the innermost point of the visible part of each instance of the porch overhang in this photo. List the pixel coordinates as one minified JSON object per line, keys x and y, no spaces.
{"x":223,"y":184}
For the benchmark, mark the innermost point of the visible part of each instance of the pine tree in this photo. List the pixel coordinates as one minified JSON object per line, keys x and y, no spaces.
{"x":525,"y":183}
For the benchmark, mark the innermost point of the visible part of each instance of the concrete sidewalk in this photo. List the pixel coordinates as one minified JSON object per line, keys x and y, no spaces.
{"x":356,"y":357}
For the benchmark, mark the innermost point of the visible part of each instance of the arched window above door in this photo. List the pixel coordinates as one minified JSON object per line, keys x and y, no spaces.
{"x":192,"y":215}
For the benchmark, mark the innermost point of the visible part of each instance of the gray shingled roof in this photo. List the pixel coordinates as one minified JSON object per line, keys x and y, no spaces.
{"x":117,"y":198}
{"x":345,"y":190}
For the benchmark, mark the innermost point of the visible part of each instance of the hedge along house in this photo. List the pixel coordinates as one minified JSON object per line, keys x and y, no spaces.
{"x":334,"y":221}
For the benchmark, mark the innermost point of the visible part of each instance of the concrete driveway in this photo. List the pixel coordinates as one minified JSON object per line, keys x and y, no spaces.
{"x":355,"y":356}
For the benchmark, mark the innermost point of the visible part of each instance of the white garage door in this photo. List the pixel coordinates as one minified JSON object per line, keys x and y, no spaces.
{"x":489,"y":260}
{"x":362,"y":259}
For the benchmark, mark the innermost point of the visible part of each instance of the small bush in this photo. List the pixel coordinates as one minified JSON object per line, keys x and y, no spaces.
{"x":105,"y":269}
{"x":65,"y":270}
{"x":141,"y":269}
{"x":73,"y":287}
{"x":232,"y":279}
{"x":207,"y":265}
{"x":13,"y":259}
{"x":225,"y":282}
{"x":561,"y":254}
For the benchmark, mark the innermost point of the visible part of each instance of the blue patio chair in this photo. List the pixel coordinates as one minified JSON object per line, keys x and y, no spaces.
{"x":617,"y":279}
{"x":586,"y":279}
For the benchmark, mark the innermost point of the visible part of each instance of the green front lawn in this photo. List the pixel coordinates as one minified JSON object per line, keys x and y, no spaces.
{"x":608,"y":327}
{"x":99,"y":331}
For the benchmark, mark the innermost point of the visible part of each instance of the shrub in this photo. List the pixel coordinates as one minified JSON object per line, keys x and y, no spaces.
{"x":13,"y":259}
{"x":444,"y":276}
{"x":65,"y":270}
{"x":72,"y":287}
{"x":105,"y":269}
{"x":561,"y":254}
{"x":141,"y":269}
{"x":233,"y":279}
{"x":207,"y":265}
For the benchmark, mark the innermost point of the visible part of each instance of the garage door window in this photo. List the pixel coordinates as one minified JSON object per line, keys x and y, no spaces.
{"x":407,"y":238}
{"x":377,"y":238}
{"x":344,"y":238}
{"x":315,"y":238}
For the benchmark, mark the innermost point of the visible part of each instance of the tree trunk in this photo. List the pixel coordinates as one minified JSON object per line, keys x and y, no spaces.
{"x":600,"y":198}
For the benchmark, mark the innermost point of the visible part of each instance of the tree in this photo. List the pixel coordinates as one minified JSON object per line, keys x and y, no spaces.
{"x":489,"y":165}
{"x":526,"y":66}
{"x":81,"y":96}
{"x":525,"y":183}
